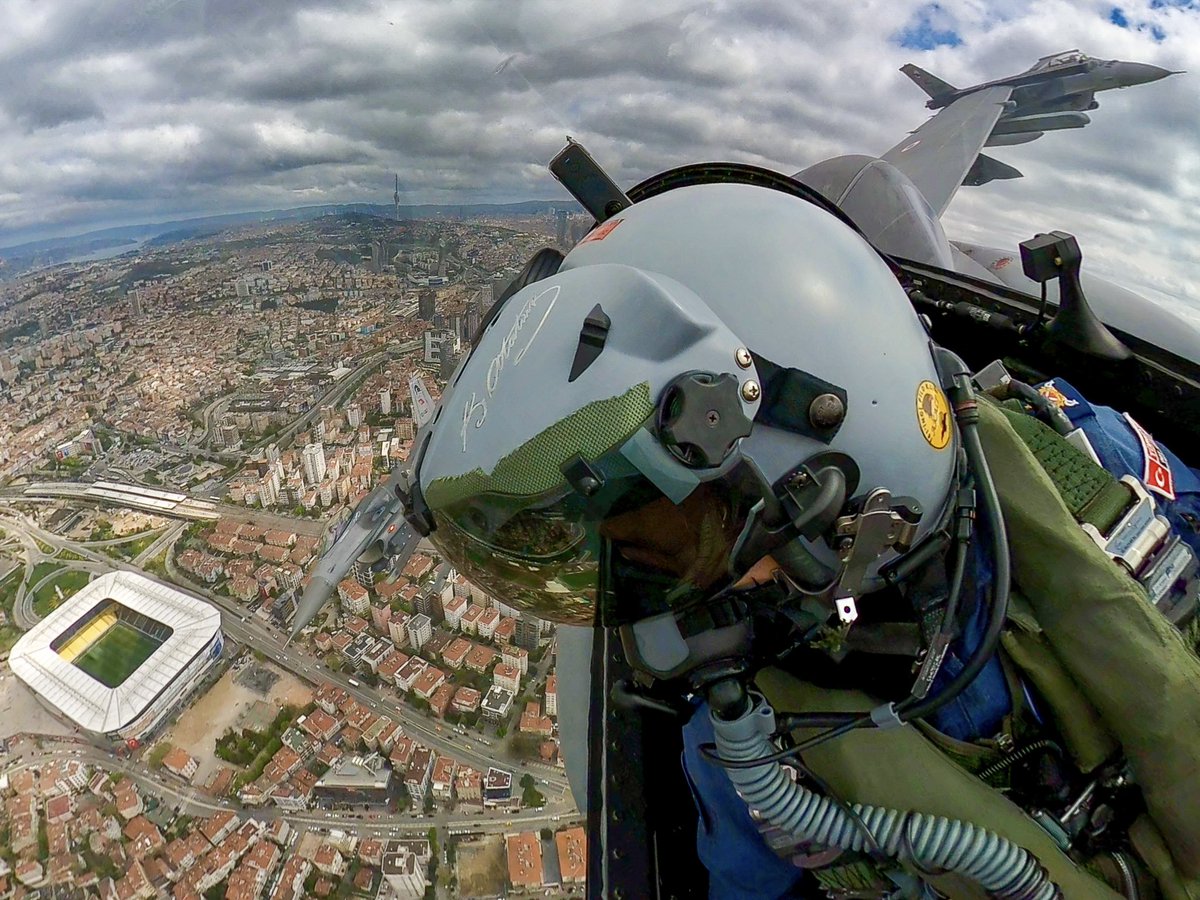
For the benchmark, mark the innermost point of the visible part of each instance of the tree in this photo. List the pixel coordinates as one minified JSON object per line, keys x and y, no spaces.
{"x":158,"y":754}
{"x":525,"y":746}
{"x":533,"y":798}
{"x":546,"y":834}
{"x":43,"y":840}
{"x":527,"y":781}
{"x":428,"y":804}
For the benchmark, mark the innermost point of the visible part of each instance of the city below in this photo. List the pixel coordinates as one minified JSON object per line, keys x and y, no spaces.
{"x":183,"y":429}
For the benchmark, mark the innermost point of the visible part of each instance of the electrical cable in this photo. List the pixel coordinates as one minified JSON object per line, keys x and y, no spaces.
{"x":1047,"y":411}
{"x":851,"y":721}
{"x":1001,"y":585}
{"x":1011,"y":759}
{"x":873,"y":849}
{"x":967,"y":414}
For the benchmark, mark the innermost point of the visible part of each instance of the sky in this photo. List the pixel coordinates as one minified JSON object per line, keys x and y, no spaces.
{"x":117,"y":112}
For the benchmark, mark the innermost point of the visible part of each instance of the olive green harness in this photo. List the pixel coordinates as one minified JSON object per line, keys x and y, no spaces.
{"x":1110,"y":668}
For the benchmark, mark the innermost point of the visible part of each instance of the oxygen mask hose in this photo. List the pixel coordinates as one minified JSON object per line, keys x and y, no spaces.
{"x":930,"y":843}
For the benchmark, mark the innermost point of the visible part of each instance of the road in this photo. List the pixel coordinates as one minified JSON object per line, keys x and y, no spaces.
{"x":210,"y":413}
{"x":297,"y":659}
{"x":29,"y":534}
{"x":336,"y":393}
{"x":168,"y":537}
{"x":186,"y":799}
{"x":191,"y":509}
{"x":94,"y":561}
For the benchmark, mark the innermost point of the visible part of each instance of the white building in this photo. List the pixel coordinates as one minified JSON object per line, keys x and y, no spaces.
{"x":398,"y":629}
{"x":507,"y":677}
{"x":516,"y":657}
{"x":404,"y":870}
{"x":355,"y":599}
{"x":385,"y":402}
{"x":453,"y":606}
{"x":312,"y":461}
{"x":420,"y":630}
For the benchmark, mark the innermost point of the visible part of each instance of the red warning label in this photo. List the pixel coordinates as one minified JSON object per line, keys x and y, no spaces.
{"x":1156,"y":470}
{"x":600,"y":232}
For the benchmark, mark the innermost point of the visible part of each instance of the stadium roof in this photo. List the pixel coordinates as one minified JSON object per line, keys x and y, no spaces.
{"x":80,"y":696}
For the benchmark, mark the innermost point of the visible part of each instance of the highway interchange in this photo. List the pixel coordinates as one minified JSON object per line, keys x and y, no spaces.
{"x":250,"y":631}
{"x":243,"y":627}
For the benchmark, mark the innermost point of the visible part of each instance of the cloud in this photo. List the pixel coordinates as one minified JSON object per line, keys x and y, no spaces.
{"x":112,"y":112}
{"x":929,"y":28}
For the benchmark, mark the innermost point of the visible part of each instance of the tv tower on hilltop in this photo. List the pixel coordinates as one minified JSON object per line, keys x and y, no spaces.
{"x":396,"y":197}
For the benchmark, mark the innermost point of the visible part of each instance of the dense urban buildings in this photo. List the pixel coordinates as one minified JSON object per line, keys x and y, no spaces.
{"x":209,"y":411}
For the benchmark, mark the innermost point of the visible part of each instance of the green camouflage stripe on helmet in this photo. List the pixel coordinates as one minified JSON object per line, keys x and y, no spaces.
{"x":535,"y":466}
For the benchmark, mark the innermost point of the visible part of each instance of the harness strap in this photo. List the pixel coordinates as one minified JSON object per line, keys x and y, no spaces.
{"x":1089,"y":491}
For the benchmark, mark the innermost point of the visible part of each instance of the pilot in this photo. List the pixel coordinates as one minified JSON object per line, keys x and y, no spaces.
{"x":912,"y":623}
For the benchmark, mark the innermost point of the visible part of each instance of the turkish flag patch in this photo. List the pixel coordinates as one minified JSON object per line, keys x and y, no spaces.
{"x":1156,"y":470}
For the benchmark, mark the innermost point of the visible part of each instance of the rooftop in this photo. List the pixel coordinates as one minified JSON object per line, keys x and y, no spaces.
{"x":524,"y":859}
{"x":572,"y":853}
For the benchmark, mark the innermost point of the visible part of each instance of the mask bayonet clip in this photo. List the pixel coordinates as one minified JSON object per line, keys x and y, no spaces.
{"x":864,"y":537}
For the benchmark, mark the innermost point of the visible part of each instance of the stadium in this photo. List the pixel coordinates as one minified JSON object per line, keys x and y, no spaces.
{"x":120,"y":654}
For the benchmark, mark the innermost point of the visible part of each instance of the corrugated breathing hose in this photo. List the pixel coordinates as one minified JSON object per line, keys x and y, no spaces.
{"x":931,"y":843}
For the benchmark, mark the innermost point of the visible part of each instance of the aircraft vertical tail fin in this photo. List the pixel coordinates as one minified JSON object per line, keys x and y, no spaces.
{"x":930,"y":84}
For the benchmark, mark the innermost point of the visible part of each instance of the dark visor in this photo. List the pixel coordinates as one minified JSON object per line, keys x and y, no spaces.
{"x":622,"y":554}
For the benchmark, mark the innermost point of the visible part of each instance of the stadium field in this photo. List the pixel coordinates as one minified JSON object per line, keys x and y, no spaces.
{"x":117,"y":654}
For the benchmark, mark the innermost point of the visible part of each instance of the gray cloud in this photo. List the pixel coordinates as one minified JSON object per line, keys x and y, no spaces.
{"x":114,"y":112}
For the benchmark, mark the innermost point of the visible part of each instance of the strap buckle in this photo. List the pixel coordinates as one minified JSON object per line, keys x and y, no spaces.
{"x":1142,"y":543}
{"x":1138,"y":534}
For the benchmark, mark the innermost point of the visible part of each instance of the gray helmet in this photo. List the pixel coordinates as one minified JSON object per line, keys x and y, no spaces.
{"x":718,"y":372}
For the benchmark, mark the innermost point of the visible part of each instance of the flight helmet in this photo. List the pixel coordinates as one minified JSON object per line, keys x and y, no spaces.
{"x":716,"y":373}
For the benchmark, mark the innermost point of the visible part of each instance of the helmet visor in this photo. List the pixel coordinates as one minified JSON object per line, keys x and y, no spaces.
{"x":622,"y":554}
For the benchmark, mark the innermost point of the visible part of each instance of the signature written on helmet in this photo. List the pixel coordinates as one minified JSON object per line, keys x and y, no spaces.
{"x":475,"y":408}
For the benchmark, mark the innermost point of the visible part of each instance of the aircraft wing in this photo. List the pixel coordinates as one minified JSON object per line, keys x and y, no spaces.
{"x":938,"y":155}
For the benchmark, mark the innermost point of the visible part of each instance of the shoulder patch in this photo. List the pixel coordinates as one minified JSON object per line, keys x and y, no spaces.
{"x":1156,"y":468}
{"x":1051,"y":392}
{"x":933,"y":415}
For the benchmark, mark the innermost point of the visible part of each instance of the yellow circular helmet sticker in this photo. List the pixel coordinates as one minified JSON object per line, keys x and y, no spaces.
{"x":933,"y":415}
